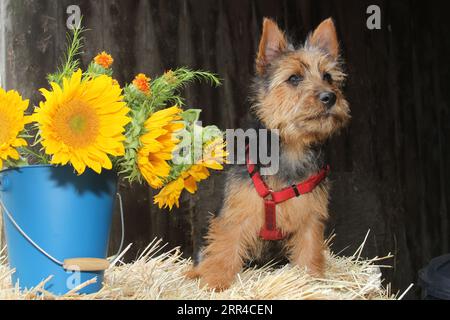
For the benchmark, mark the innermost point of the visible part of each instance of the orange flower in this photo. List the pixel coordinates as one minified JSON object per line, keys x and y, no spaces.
{"x":142,"y":82}
{"x":103,"y":59}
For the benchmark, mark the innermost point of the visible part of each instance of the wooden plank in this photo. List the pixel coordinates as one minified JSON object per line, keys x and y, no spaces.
{"x":86,"y":264}
{"x":2,"y":77}
{"x":389,"y":167}
{"x":4,"y":20}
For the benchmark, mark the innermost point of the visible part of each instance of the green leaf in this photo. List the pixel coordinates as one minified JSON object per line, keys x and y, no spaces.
{"x":211,"y":133}
{"x":191,"y":115}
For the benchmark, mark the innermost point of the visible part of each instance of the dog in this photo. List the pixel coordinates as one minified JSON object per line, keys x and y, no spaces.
{"x":299,"y":93}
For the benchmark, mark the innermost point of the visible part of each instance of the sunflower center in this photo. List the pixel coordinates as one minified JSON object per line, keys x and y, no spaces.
{"x":77,"y":124}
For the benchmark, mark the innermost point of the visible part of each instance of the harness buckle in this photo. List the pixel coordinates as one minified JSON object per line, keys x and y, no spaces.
{"x":269,"y":197}
{"x":297,"y":192}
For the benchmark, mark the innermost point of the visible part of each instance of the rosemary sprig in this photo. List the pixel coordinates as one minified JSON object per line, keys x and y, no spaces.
{"x":70,"y":62}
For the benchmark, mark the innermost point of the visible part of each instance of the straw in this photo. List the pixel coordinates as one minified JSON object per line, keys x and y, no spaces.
{"x":160,"y":276}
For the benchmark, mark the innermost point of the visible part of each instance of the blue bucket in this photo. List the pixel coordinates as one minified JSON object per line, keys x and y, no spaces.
{"x":65,"y":215}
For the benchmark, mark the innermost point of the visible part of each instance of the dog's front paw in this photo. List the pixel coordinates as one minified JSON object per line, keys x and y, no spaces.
{"x":207,"y":282}
{"x":192,"y":274}
{"x":215,"y":283}
{"x":317,"y":273}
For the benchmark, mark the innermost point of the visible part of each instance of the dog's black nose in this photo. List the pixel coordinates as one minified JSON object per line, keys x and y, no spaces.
{"x":328,"y":99}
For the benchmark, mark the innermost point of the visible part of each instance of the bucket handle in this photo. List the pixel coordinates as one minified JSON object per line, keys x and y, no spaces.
{"x":76,"y":264}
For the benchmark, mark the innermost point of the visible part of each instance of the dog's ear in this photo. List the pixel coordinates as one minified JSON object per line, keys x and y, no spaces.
{"x":273,"y":43}
{"x":325,"y":38}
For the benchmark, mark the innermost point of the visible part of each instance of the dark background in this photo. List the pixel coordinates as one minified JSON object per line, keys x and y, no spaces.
{"x":390,"y":169}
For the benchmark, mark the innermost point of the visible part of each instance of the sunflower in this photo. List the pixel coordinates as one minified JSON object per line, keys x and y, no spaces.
{"x":213,"y":158}
{"x":142,"y":83}
{"x":83,"y":122}
{"x":170,"y":194}
{"x":214,"y":154}
{"x":103,"y":59}
{"x":12,"y":123}
{"x":158,"y":144}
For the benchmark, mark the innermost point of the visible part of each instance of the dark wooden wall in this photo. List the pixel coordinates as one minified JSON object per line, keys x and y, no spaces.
{"x":390,"y":168}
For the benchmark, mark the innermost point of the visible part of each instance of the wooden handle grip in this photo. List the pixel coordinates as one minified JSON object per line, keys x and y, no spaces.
{"x":86,"y":264}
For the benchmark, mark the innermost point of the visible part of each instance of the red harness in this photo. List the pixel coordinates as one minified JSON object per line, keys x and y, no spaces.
{"x":270,"y":232}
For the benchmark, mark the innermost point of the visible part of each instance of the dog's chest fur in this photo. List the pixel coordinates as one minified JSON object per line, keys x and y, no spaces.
{"x":295,"y":166}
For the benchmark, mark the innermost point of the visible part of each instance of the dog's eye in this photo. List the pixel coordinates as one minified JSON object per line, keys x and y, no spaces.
{"x":295,"y":79}
{"x":328,"y":78}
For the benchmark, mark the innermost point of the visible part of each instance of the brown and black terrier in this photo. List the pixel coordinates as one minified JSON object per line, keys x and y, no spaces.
{"x":298,"y":92}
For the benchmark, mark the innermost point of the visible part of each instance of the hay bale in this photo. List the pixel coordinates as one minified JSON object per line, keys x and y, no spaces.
{"x":160,"y":276}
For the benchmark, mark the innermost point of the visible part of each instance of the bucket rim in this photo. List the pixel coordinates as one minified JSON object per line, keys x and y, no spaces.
{"x":34,"y":166}
{"x":40,"y":166}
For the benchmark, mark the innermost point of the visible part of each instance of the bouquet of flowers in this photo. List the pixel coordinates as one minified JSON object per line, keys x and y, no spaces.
{"x":87,"y":120}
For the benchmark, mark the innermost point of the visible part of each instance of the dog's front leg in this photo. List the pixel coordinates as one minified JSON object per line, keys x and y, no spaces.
{"x":230,"y":238}
{"x":306,"y":247}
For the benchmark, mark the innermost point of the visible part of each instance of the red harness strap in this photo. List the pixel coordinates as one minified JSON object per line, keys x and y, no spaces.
{"x":270,"y":232}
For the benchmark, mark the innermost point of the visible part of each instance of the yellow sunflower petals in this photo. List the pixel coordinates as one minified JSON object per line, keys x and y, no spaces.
{"x":190,"y":185}
{"x":83,"y":122}
{"x":19,"y":143}
{"x":158,"y":144}
{"x":60,"y":158}
{"x":93,"y":164}
{"x":79,"y":166}
{"x":13,"y":120}
{"x":13,"y":154}
{"x":169,"y":196}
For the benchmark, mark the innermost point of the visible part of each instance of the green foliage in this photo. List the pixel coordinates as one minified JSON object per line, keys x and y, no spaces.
{"x":196,"y":138}
{"x":167,"y":88}
{"x":94,"y":70}
{"x":70,"y":63}
{"x":32,"y":157}
{"x":194,"y":133}
{"x":165,"y":92}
